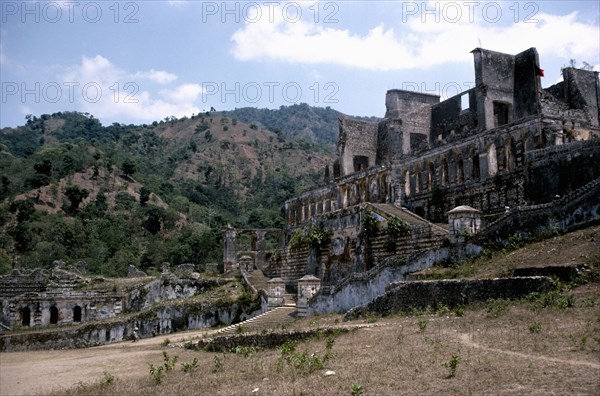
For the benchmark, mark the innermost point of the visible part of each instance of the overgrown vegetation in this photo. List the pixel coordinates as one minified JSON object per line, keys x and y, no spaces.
{"x":120,"y":195}
{"x":315,"y":235}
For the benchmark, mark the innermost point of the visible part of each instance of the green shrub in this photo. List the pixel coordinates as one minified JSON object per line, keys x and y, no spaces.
{"x":535,"y":327}
{"x":189,"y":367}
{"x":452,"y":365}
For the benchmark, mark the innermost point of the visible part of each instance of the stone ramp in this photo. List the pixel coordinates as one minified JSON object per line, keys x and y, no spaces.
{"x":275,"y":318}
{"x":388,"y":210}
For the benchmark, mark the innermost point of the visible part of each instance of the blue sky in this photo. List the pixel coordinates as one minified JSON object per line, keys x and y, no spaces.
{"x":140,"y":61}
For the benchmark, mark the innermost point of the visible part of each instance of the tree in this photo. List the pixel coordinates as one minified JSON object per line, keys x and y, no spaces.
{"x":43,"y":167}
{"x":23,"y":209}
{"x":128,"y":167}
{"x":144,"y":195}
{"x":4,"y":187}
{"x":75,"y":194}
{"x":155,"y":218}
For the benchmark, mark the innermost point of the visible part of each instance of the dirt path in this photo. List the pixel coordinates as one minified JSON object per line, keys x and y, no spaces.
{"x":466,"y":339}
{"x":39,"y":372}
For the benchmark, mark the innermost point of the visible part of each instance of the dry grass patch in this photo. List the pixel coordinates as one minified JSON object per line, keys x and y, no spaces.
{"x":473,"y":354}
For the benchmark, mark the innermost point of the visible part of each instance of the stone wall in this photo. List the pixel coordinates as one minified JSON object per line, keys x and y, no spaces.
{"x":361,"y":287}
{"x":357,"y":145}
{"x":162,"y":320}
{"x":404,"y":296}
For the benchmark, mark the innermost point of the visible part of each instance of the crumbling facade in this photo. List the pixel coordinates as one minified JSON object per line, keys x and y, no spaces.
{"x":489,"y":147}
{"x":505,"y":143}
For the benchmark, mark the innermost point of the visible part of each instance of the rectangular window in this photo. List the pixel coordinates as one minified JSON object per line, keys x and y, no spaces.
{"x":464,"y":102}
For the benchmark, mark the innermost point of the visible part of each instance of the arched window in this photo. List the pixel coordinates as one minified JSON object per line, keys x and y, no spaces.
{"x":77,"y":313}
{"x":53,"y":315}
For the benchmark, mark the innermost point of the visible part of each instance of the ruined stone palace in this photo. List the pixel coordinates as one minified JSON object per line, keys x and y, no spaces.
{"x":507,"y":154}
{"x":431,"y":182}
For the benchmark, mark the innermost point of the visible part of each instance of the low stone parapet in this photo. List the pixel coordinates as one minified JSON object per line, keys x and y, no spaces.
{"x":407,"y":295}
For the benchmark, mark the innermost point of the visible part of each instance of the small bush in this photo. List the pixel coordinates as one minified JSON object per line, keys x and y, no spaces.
{"x":246,"y":351}
{"x":107,"y":379}
{"x":357,"y":390}
{"x":169,"y":363}
{"x":166,"y":342}
{"x":189,"y":367}
{"x":217,"y":364}
{"x":452,"y":365}
{"x":422,"y":325}
{"x":496,"y":307}
{"x":459,"y":311}
{"x":535,"y":327}
{"x":156,"y":374}
{"x":301,"y":362}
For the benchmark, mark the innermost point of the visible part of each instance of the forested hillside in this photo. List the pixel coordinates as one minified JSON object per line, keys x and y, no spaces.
{"x":300,"y":121}
{"x":73,"y":189}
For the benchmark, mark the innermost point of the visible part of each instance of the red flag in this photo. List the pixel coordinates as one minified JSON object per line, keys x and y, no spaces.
{"x":539,"y":72}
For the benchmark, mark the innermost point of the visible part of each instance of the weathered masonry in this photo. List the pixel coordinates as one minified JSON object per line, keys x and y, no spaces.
{"x":504,"y":144}
{"x":503,"y":156}
{"x":489,"y":147}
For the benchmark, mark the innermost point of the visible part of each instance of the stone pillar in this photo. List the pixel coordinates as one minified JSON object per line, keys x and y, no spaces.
{"x":308,"y":286}
{"x":229,"y":248}
{"x":276,"y":292}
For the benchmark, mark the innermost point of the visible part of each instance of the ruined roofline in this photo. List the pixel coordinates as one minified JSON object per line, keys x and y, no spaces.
{"x":480,"y":49}
{"x":413,"y":96}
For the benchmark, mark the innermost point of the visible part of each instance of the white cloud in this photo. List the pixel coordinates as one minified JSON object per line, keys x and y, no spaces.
{"x":115,"y":94}
{"x":413,"y":43}
{"x":159,"y":76}
{"x":183,"y":93}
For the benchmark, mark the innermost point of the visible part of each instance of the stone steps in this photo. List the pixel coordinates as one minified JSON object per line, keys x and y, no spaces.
{"x":273,"y":319}
{"x":257,"y":279}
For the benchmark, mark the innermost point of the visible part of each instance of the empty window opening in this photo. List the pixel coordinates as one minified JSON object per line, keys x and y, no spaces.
{"x":53,"y":315}
{"x":475,"y":172}
{"x":77,"y":313}
{"x":430,"y":176}
{"x":464,"y":102}
{"x":26,"y":316}
{"x":444,"y":172}
{"x":500,"y":113}
{"x":492,"y":160}
{"x":460,"y":174}
{"x":360,"y":162}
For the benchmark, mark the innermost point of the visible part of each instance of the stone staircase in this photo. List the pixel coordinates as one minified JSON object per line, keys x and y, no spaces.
{"x":256,"y":280}
{"x":409,"y":217}
{"x":274,"y":319}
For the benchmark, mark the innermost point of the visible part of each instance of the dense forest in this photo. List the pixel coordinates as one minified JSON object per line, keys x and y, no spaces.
{"x":72,"y":189}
